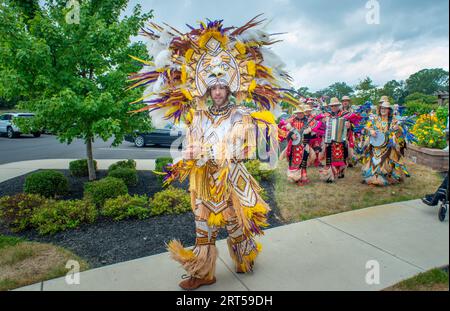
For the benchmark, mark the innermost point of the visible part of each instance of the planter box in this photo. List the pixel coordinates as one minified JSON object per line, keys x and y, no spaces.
{"x":436,"y":159}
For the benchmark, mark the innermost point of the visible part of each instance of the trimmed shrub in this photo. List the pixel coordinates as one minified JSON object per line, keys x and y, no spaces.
{"x":419,"y":108}
{"x":131,"y":164}
{"x":264,"y":195}
{"x":256,"y":169}
{"x":170,"y":201}
{"x":16,"y":211}
{"x":79,"y":168}
{"x":46,"y":183}
{"x":128,"y":175}
{"x":126,"y":206}
{"x":160,"y":163}
{"x":442,"y":114}
{"x":58,"y":216}
{"x":101,"y":190}
{"x":422,"y":98}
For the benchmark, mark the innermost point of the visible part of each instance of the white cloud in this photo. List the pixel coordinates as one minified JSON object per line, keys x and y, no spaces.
{"x":330,"y":41}
{"x":382,"y":61}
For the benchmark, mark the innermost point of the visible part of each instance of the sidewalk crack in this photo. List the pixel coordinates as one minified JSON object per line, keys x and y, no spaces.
{"x":234,"y":274}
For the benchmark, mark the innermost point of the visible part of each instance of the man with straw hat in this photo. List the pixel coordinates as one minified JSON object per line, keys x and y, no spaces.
{"x":298,"y":151}
{"x":336,"y":152}
{"x":315,"y":137}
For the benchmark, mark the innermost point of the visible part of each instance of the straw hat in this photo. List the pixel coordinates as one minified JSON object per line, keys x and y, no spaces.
{"x":334,"y":102}
{"x":345,"y":98}
{"x":386,"y":104}
{"x":307,"y":108}
{"x":299,"y":110}
{"x":384,"y":98}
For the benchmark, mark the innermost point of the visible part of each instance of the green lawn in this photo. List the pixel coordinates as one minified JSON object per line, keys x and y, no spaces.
{"x":319,"y":199}
{"x":433,"y":280}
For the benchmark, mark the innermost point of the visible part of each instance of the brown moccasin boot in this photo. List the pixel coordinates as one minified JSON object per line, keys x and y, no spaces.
{"x":192,"y":283}
{"x":239,"y":270}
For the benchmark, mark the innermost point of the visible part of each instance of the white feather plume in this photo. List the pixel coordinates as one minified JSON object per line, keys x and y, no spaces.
{"x":271,"y":59}
{"x":163,"y":59}
{"x":158,"y":85}
{"x":254,"y":35}
{"x":165,"y":38}
{"x":155,"y":47}
{"x":158,"y":120}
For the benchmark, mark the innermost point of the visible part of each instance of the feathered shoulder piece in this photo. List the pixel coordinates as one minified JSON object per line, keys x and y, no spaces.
{"x":184,"y":65}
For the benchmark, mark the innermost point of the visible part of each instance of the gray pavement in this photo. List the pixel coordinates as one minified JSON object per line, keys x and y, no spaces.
{"x":48,"y":147}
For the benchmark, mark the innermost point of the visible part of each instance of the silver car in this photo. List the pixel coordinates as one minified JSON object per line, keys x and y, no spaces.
{"x":8,"y":127}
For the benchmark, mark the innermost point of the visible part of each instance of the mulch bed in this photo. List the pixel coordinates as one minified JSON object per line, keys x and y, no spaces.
{"x":106,"y":241}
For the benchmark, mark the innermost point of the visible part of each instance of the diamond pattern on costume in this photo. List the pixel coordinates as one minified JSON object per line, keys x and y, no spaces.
{"x":214,"y":207}
{"x":213,"y":45}
{"x":212,"y":138}
{"x":240,"y":178}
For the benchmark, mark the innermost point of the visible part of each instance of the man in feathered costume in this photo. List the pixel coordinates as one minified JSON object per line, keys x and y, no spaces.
{"x":190,"y":70}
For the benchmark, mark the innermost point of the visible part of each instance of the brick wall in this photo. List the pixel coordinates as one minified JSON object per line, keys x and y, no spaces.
{"x":434,"y":158}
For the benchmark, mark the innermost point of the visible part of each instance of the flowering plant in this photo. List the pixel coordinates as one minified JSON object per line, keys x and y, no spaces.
{"x":429,"y":131}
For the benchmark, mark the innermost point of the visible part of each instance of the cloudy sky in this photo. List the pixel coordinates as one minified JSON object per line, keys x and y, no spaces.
{"x":329,"y":41}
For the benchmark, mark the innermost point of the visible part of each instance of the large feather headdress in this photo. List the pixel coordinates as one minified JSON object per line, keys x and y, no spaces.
{"x":184,"y":65}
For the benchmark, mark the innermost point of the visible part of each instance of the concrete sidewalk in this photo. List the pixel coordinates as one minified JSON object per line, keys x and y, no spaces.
{"x":329,"y":253}
{"x":15,"y":169}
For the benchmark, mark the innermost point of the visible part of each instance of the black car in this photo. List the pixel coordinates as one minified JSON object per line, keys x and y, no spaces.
{"x":163,"y":137}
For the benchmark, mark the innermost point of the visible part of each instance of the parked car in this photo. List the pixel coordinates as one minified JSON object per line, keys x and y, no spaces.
{"x":163,"y":136}
{"x":8,"y":127}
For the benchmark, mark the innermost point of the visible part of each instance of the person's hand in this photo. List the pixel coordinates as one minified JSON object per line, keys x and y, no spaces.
{"x":395,"y":127}
{"x":307,"y":131}
{"x":373,"y":133}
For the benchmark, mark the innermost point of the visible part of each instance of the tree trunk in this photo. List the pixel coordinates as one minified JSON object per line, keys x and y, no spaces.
{"x":90,"y":159}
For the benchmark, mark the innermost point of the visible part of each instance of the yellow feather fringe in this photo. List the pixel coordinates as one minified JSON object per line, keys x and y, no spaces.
{"x":240,"y":47}
{"x":186,"y":94}
{"x":252,"y":86}
{"x":264,"y":115}
{"x":188,"y":55}
{"x":251,"y":68}
{"x":179,"y":253}
{"x":216,"y":220}
{"x":183,"y":74}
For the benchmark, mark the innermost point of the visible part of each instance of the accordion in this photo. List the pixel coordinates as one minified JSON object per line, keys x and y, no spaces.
{"x":336,"y":130}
